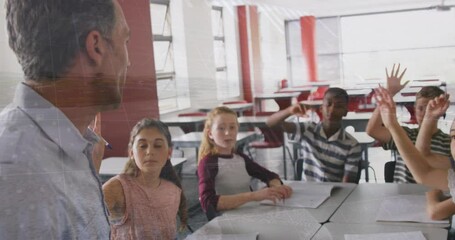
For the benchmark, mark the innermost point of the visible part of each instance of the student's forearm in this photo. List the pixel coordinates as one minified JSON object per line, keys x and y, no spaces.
{"x":376,"y":129}
{"x":278,"y":117}
{"x":274,"y":182}
{"x":438,"y":161}
{"x":416,"y":162}
{"x":423,"y":142}
{"x":226,"y":202}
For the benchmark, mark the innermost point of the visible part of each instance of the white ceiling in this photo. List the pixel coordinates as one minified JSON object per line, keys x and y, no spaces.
{"x":342,"y":7}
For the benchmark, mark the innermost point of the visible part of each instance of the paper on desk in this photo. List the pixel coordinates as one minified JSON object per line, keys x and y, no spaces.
{"x":232,"y":236}
{"x":405,"y":208}
{"x":305,"y":195}
{"x":417,"y":235}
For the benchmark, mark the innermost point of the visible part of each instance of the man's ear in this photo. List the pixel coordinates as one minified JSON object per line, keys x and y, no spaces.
{"x":95,"y":46}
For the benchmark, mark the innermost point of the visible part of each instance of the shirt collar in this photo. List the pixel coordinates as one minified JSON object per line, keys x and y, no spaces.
{"x":340,"y":135}
{"x":52,"y":121}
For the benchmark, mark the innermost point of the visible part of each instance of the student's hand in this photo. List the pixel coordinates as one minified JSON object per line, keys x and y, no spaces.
{"x":268,"y":193}
{"x":434,"y":194}
{"x":437,"y":107}
{"x":297,"y":110}
{"x":386,"y":106}
{"x":394,"y":80}
{"x":284,"y":190}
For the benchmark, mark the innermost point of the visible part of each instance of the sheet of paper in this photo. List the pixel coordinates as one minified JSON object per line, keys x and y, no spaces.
{"x":405,"y":208}
{"x":305,"y":195}
{"x":232,"y":236}
{"x":418,"y":235}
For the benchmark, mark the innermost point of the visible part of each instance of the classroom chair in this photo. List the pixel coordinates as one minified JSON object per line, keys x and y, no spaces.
{"x":273,"y":138}
{"x":389,"y":168}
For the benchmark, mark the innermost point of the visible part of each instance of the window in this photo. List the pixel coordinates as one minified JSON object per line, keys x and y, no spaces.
{"x":356,"y":48}
{"x":163,"y":55}
{"x":226,"y":87}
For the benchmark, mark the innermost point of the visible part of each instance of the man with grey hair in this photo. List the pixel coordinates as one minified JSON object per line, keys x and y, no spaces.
{"x":74,"y":57}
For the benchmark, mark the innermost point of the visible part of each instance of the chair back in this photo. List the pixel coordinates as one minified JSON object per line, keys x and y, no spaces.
{"x":298,"y":169}
{"x":389,"y":169}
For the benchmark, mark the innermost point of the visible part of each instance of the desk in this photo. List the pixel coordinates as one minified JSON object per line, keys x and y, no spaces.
{"x":322,"y":214}
{"x":313,"y":105}
{"x":336,"y":231}
{"x":193,"y":140}
{"x":253,"y":121}
{"x":272,"y":224}
{"x":358,"y":120}
{"x":358,"y":92}
{"x":426,"y":82}
{"x":410,"y":91}
{"x":239,"y":108}
{"x":304,"y":92}
{"x":365,"y":141}
{"x":296,"y":89}
{"x":283,"y":100}
{"x":114,"y":165}
{"x":362,"y":205}
{"x":187,"y":124}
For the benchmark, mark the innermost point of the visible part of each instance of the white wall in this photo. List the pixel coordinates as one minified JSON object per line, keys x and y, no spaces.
{"x":10,"y":70}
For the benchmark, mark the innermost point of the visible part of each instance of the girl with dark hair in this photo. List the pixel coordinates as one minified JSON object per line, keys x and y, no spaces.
{"x":145,"y":198}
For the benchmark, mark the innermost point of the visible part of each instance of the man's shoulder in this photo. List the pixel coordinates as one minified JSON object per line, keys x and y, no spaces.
{"x":20,"y":138}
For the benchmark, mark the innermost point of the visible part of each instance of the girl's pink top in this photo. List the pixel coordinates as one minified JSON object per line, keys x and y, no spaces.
{"x":149,"y":213}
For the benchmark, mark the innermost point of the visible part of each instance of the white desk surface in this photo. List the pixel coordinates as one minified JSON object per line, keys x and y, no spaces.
{"x":276,"y":95}
{"x":296,"y":89}
{"x":193,"y":139}
{"x":114,"y":165}
{"x":362,"y":137}
{"x":400,"y":99}
{"x":177,"y":121}
{"x":358,"y":116}
{"x":336,"y":231}
{"x":363,"y":203}
{"x":321,"y":214}
{"x":257,"y":121}
{"x":237,"y":107}
{"x":271,"y":224}
{"x":358,"y":92}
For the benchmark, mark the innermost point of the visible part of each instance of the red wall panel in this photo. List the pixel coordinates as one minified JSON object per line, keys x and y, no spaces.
{"x":140,"y":95}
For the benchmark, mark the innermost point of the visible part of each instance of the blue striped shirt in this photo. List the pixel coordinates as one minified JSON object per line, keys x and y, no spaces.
{"x":327,"y":159}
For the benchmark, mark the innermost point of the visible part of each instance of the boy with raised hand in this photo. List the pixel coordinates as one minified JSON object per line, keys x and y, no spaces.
{"x":419,"y":157}
{"x":330,"y":154}
{"x":440,"y":141}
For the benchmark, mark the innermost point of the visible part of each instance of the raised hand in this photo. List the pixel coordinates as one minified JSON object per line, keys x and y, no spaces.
{"x":386,"y":106}
{"x":394,"y":80}
{"x":437,"y":107}
{"x":298,"y":110}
